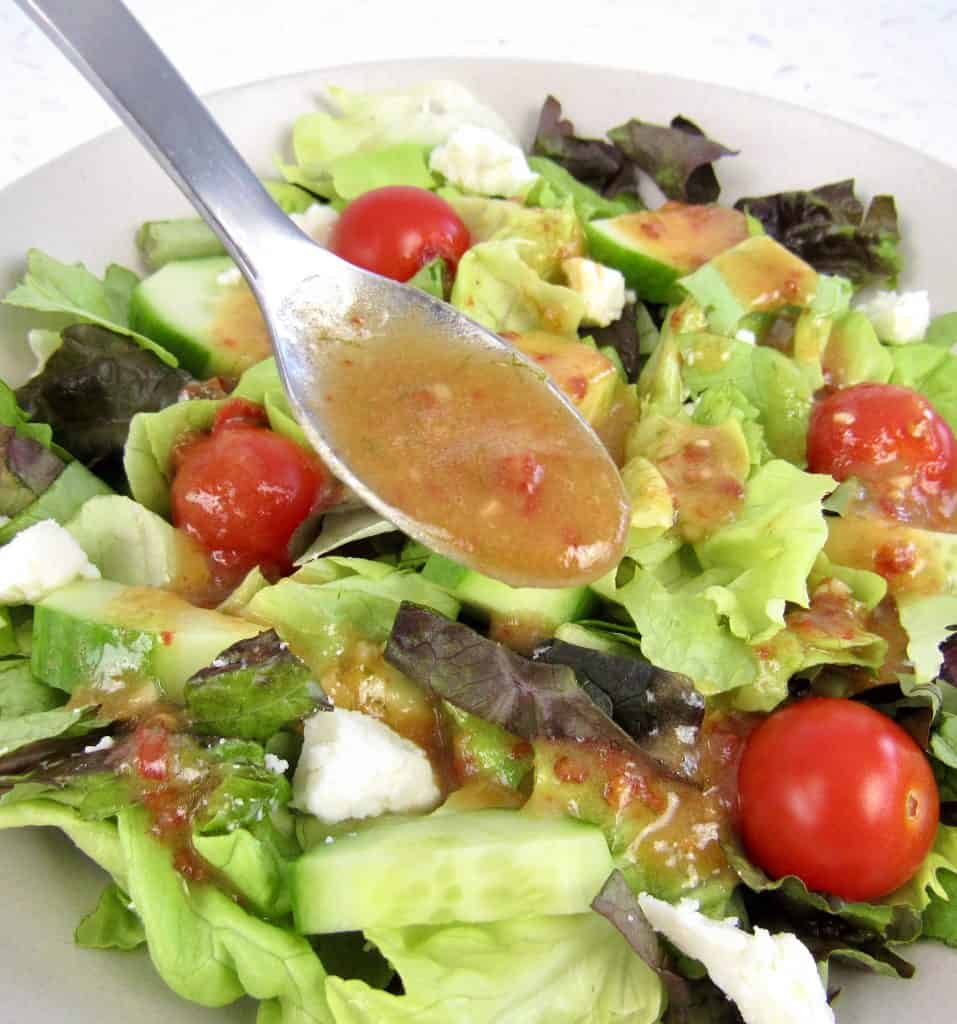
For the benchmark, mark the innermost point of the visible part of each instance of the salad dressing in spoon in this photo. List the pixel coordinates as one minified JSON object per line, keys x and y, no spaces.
{"x":435,"y":422}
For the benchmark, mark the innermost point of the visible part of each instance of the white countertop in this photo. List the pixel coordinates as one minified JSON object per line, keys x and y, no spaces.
{"x":887,"y":65}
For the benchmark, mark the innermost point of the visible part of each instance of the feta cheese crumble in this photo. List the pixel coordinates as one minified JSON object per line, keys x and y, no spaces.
{"x":773,"y":979}
{"x":602,"y":289}
{"x":317,"y":221}
{"x":38,"y":561}
{"x":897,"y":318}
{"x":106,"y":743}
{"x":354,"y":766}
{"x":277,"y":765}
{"x":479,"y":160}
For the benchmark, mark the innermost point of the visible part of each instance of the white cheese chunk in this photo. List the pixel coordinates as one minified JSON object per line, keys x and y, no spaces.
{"x":38,"y":561}
{"x":317,"y":221}
{"x":772,"y":978}
{"x":354,"y":766}
{"x":479,"y":160}
{"x":277,"y":765}
{"x":601,"y":288}
{"x":897,"y":318}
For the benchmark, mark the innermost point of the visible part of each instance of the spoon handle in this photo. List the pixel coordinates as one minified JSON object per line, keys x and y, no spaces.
{"x":116,"y":55}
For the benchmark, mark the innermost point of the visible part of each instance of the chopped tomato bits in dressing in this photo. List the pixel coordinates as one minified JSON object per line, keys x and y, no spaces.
{"x":474,"y":444}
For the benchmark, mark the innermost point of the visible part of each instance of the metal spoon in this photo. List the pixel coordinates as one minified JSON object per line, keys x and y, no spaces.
{"x":304,"y":291}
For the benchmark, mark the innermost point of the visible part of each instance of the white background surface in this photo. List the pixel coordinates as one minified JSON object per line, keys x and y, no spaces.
{"x":887,"y":65}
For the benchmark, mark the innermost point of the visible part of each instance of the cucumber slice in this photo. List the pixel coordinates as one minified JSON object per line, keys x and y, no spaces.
{"x":474,"y":866}
{"x":211,"y":327}
{"x":653,"y":248}
{"x":106,"y":635}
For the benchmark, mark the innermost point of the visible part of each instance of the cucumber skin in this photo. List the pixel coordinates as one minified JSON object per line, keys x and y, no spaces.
{"x":470,"y":866}
{"x":650,"y":278}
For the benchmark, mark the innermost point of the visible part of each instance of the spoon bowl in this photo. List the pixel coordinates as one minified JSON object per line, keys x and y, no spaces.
{"x":551,"y":468}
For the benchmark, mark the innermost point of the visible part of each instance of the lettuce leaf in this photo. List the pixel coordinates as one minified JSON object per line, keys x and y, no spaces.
{"x":553,"y":235}
{"x":588,"y":203}
{"x":50,"y":286}
{"x":761,"y":561}
{"x":208,"y":949}
{"x":252,"y":690}
{"x":112,"y":924}
{"x":21,"y":693}
{"x":931,"y":370}
{"x":928,"y":621}
{"x":678,"y":157}
{"x":496,"y":286}
{"x":828,"y":228}
{"x":92,"y":387}
{"x":550,"y":970}
{"x":148,"y":455}
{"x":34,"y":726}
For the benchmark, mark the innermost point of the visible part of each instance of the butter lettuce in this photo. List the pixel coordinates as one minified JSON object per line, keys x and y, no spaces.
{"x":74,"y":293}
{"x":497,"y":286}
{"x":932,"y":370}
{"x":553,"y":235}
{"x":928,"y":621}
{"x":549,"y":970}
{"x":112,"y":924}
{"x":767,"y":552}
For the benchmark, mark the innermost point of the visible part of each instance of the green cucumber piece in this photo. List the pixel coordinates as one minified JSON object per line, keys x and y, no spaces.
{"x":211,"y":328}
{"x":653,"y":248}
{"x":106,"y":635}
{"x":472,"y":866}
{"x":189,"y":238}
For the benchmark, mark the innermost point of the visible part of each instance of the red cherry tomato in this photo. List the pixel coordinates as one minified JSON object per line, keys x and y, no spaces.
{"x":395,"y":231}
{"x":889,"y":437}
{"x":242,"y":491}
{"x":838,"y":794}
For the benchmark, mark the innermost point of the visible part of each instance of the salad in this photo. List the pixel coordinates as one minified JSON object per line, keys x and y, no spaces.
{"x":330,"y":769}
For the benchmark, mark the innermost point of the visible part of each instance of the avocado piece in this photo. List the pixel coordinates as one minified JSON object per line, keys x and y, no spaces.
{"x":519,"y":617}
{"x":654,"y":248}
{"x":652,"y":505}
{"x":105,"y":637}
{"x":60,"y":501}
{"x":705,"y":468}
{"x":853,"y":354}
{"x":213,"y":328}
{"x":27,"y":469}
{"x":756,"y":275}
{"x":485,"y":750}
{"x":587,"y":376}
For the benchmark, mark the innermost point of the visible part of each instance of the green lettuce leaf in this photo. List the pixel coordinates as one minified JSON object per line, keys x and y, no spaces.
{"x":261,"y":384}
{"x":252,"y":690}
{"x":764,"y":556}
{"x":345,"y":527}
{"x":371,"y":123}
{"x":34,"y":726}
{"x":148,"y":455}
{"x":99,"y":840}
{"x":770,"y":382}
{"x":402,"y":164}
{"x":71,"y":490}
{"x":588,"y":203}
{"x":12,"y":415}
{"x":552,"y":235}
{"x":21,"y":693}
{"x":942,"y":330}
{"x":931,"y":370}
{"x":553,"y":970}
{"x":497,"y":287}
{"x":208,"y":949}
{"x":928,"y":621}
{"x":718,"y":404}
{"x":112,"y":924}
{"x":50,"y":286}
{"x":434,"y":279}
{"x":253,"y":866}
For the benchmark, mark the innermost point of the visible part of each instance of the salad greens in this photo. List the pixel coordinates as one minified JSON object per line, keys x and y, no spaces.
{"x":171,"y":716}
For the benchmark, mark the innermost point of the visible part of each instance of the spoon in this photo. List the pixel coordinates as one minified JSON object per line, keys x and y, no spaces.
{"x":320,"y":309}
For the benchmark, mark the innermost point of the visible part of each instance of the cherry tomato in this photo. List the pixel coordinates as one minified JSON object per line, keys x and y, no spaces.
{"x":889,"y":437}
{"x":395,"y":231}
{"x":242,"y":491}
{"x":838,"y":794}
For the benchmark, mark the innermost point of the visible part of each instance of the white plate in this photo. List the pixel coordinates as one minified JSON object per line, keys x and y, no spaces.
{"x":85,"y":206}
